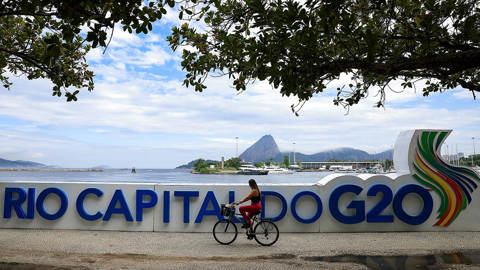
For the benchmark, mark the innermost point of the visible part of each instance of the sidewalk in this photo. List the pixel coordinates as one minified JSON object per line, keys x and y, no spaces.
{"x":60,"y":249}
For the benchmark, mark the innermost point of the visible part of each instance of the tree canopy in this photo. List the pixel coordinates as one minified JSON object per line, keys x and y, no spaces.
{"x":200,"y":164}
{"x":286,"y":161}
{"x":43,"y":39}
{"x":299,"y":47}
{"x":234,"y":162}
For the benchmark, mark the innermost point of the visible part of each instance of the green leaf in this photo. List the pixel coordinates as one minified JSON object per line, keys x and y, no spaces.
{"x":91,"y":36}
{"x":418,"y":21}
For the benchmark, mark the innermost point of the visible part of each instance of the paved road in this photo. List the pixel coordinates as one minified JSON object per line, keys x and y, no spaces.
{"x":64,"y":249}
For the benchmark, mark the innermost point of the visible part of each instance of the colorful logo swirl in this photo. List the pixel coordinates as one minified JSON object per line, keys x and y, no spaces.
{"x":453,"y":184}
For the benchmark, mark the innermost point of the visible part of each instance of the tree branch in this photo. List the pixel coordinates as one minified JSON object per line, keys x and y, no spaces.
{"x":29,"y":59}
{"x":21,"y":13}
{"x":469,"y":85}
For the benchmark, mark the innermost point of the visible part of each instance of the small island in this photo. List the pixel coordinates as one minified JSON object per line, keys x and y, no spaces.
{"x":216,"y":171}
{"x":234,"y":166}
{"x":202,"y":166}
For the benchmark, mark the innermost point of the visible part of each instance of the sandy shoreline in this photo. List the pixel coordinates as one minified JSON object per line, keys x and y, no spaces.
{"x":51,"y":249}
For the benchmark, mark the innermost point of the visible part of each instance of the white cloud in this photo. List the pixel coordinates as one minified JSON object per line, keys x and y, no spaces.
{"x":228,"y":141}
{"x":170,"y":18}
{"x":37,"y":155}
{"x":137,"y":108}
{"x":132,"y":105}
{"x":123,"y":39}
{"x":146,"y":106}
{"x":95,"y":55}
{"x":153,"y":38}
{"x":462,"y":94}
{"x":145,"y":57}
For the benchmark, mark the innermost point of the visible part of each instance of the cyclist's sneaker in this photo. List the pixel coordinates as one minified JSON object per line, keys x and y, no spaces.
{"x":250,"y":234}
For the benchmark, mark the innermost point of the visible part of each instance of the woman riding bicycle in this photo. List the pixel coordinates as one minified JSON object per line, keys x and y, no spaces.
{"x":254,"y":208}
{"x":265,"y":232}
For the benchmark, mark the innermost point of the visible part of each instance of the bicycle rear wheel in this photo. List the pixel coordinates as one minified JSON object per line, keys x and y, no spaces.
{"x":266,"y":233}
{"x":225,"y":231}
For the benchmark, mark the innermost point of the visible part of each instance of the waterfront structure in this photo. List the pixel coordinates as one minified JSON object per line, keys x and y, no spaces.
{"x":353,"y":164}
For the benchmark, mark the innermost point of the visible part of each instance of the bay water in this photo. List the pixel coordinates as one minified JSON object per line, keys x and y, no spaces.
{"x":158,"y":176}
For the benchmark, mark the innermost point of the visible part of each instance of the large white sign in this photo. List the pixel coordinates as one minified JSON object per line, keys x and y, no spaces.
{"x":426,"y":194}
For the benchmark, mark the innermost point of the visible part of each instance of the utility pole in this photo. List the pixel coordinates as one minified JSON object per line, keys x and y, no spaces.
{"x":293,"y":152}
{"x":456,"y":155}
{"x":236,"y":142}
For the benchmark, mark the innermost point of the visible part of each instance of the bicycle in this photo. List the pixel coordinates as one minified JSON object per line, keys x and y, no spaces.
{"x":225,"y":231}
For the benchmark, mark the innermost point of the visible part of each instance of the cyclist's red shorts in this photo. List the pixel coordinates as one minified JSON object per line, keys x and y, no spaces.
{"x":249,"y":211}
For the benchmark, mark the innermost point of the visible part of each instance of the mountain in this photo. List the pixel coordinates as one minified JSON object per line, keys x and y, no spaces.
{"x":263,"y":150}
{"x":4,"y":163}
{"x":266,"y":148}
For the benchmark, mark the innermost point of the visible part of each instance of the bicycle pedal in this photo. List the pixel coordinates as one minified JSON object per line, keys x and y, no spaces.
{"x":250,"y":237}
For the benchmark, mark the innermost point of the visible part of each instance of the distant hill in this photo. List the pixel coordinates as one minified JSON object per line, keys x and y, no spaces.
{"x":263,"y":150}
{"x":101,"y":167}
{"x":266,"y":148}
{"x":5,"y":163}
{"x":192,"y":163}
{"x":339,"y":154}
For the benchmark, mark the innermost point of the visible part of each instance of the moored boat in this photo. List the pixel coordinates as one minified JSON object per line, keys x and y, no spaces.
{"x":248,"y":169}
{"x":277,"y":170}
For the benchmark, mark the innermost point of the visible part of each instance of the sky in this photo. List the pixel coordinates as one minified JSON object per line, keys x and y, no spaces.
{"x":140,"y":114}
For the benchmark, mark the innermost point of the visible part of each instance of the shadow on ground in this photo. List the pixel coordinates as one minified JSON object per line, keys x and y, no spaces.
{"x":403,"y":261}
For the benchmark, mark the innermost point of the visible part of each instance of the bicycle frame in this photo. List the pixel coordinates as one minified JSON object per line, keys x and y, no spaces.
{"x":237,"y":217}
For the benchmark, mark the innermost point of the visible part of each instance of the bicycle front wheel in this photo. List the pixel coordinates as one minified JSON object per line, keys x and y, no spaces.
{"x":266,"y":233}
{"x":225,"y":231}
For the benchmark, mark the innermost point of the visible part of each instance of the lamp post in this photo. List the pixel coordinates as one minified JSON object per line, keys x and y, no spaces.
{"x":456,"y":155}
{"x":294,"y":153}
{"x":236,"y":143}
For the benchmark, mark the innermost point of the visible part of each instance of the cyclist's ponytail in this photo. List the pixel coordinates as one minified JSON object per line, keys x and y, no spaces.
{"x":253,"y":184}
